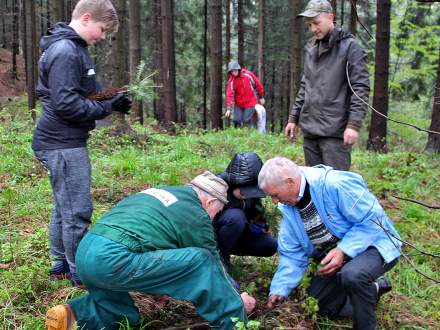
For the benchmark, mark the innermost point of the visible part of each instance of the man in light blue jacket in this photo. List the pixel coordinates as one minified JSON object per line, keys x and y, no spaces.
{"x":332,"y":217}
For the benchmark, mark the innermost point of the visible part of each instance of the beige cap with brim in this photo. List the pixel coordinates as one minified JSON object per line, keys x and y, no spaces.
{"x":212,"y":185}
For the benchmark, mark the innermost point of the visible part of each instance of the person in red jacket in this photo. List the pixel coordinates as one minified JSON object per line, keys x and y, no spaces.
{"x":243,"y":91}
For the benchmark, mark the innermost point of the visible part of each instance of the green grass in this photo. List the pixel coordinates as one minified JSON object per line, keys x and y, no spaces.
{"x":122,"y":166}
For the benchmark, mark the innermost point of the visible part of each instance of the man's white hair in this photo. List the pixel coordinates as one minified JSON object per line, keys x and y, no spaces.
{"x":275,"y":172}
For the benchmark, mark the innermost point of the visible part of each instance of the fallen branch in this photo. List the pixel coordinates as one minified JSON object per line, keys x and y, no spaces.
{"x":417,"y":202}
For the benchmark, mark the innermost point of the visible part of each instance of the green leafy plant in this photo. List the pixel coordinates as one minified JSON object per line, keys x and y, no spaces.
{"x":240,"y":325}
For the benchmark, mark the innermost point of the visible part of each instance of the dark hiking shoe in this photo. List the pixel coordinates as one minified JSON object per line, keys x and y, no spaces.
{"x":60,"y":272}
{"x":76,"y":282}
{"x":384,"y":286}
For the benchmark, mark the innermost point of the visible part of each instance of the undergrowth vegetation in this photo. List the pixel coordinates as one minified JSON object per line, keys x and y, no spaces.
{"x":123,"y":165}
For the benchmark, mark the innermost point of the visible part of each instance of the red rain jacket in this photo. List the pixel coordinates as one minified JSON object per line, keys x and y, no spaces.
{"x":244,"y":91}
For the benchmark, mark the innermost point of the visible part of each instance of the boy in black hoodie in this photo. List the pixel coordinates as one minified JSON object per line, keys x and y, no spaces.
{"x":66,"y":79}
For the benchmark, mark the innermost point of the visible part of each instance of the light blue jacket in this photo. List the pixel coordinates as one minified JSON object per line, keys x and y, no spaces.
{"x":347,"y":209}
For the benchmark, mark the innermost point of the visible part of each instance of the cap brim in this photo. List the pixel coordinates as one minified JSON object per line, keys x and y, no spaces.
{"x":308,"y":13}
{"x":252,"y":192}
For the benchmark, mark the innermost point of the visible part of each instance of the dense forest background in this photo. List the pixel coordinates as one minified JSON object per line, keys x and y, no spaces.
{"x":186,"y":45}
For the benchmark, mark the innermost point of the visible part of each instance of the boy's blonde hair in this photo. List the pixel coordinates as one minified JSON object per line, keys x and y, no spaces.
{"x":100,"y":11}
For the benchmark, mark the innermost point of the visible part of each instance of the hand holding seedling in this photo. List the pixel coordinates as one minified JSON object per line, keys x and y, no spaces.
{"x":274,"y":300}
{"x":332,"y":262}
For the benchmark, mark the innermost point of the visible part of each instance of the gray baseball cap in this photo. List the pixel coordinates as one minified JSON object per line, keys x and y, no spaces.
{"x":317,"y":7}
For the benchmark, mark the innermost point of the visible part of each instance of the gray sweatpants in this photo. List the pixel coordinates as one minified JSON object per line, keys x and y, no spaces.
{"x":70,"y":178}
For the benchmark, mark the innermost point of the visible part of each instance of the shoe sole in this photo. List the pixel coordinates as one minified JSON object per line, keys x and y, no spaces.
{"x":56,"y":318}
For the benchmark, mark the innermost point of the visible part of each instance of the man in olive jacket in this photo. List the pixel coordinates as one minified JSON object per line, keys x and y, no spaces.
{"x":159,"y":241}
{"x":327,"y":111}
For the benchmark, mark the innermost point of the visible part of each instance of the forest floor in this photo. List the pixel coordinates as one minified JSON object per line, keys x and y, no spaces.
{"x":9,"y":87}
{"x":123,"y":165}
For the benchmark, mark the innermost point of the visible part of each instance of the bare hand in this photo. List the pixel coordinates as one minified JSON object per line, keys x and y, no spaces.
{"x":332,"y":262}
{"x":248,"y":301}
{"x":350,"y":136}
{"x":227,"y":113}
{"x":290,"y":131}
{"x":262,"y":101}
{"x":274,"y":300}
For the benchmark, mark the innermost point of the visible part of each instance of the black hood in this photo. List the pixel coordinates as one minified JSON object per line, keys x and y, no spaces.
{"x":243,"y":172}
{"x":60,"y":31}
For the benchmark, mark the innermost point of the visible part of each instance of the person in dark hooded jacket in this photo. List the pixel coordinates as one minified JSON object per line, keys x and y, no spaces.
{"x":67,"y":78}
{"x":328,"y":112}
{"x":241,"y":228}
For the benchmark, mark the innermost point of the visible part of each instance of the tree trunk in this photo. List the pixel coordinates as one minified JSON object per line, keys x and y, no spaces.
{"x":15,"y":38}
{"x":205,"y":65}
{"x":216,"y":60}
{"x":168,"y":69}
{"x":68,"y":8}
{"x":157,"y":60}
{"x":433,"y":144}
{"x":334,"y":4}
{"x":261,"y":27}
{"x":297,"y":35}
{"x":228,"y":32}
{"x":342,"y":12}
{"x":240,"y":31}
{"x":378,"y":127}
{"x":272,"y":98}
{"x":4,"y":16}
{"x":119,"y":51}
{"x":58,"y":10}
{"x":353,"y":16}
{"x":135,"y":52}
{"x":30,"y":41}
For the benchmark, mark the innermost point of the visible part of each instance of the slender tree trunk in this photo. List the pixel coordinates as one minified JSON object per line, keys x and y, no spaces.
{"x":68,"y":10}
{"x":168,"y":69}
{"x":433,"y":144}
{"x":41,"y":17}
{"x":378,"y":129}
{"x":272,"y":98}
{"x":30,"y":41}
{"x":334,"y":4}
{"x":119,"y":51}
{"x":157,"y":60}
{"x":342,"y":12}
{"x":353,"y":16}
{"x":297,"y":35}
{"x":58,"y":10}
{"x":228,"y":32}
{"x":228,"y":44}
{"x":216,"y":60}
{"x":135,"y":52}
{"x":240,"y":31}
{"x":4,"y":16}
{"x":205,"y":65}
{"x":48,"y":17}
{"x":15,"y":38}
{"x":261,"y":34}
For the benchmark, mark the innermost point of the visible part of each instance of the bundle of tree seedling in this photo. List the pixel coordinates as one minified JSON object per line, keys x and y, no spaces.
{"x":141,"y":89}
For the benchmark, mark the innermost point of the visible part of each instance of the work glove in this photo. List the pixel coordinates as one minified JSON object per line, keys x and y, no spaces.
{"x":228,"y":112}
{"x":121,"y":103}
{"x":258,"y":228}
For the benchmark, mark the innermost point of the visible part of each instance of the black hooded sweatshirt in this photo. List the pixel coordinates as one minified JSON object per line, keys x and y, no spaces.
{"x":66,"y":78}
